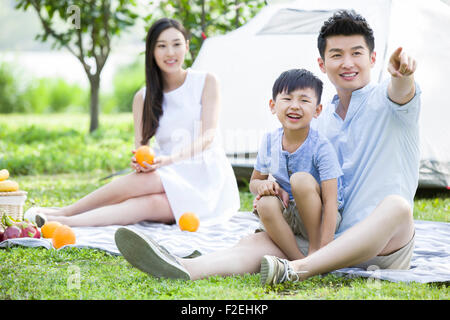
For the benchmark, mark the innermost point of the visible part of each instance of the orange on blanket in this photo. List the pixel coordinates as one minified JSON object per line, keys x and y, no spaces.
{"x":189,"y":222}
{"x":62,"y":236}
{"x":49,"y":228}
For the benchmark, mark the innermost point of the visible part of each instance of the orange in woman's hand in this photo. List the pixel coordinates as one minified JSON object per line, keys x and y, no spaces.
{"x":189,"y":222}
{"x":62,"y":236}
{"x":144,"y":153}
{"x":49,"y":228}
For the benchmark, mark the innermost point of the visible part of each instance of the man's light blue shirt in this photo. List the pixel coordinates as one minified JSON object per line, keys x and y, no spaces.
{"x":377,"y":146}
{"x":315,"y":156}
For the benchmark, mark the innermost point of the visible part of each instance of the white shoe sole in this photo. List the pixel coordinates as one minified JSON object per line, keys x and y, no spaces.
{"x":141,"y":252}
{"x":266,"y":270}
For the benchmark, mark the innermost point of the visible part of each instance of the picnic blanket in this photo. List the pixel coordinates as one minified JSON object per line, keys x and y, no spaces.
{"x":430,"y":261}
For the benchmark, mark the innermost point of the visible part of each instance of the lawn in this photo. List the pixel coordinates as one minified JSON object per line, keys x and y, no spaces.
{"x":38,"y":273}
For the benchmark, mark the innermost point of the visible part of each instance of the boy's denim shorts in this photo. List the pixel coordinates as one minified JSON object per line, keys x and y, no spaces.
{"x":292,"y":217}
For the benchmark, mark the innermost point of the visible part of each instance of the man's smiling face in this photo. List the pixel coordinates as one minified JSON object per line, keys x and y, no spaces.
{"x":347,"y":62}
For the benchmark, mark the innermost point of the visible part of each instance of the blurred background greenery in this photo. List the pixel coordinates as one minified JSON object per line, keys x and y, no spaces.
{"x":24,"y":89}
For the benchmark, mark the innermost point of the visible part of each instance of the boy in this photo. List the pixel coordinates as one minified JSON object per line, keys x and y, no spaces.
{"x":305,"y":167}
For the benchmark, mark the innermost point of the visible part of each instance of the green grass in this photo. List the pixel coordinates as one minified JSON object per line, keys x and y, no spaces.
{"x":38,"y":273}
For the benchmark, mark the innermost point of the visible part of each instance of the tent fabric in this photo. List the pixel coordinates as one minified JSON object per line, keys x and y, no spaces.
{"x":283,"y":36}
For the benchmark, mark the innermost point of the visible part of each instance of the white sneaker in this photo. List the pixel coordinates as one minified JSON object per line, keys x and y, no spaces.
{"x":275,"y":270}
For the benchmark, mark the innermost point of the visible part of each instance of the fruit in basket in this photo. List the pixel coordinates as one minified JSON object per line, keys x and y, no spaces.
{"x":62,"y":236}
{"x":8,"y":186}
{"x":49,"y":228}
{"x":144,"y":153}
{"x":4,"y":174}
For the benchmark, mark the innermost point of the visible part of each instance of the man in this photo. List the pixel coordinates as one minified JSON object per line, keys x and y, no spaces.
{"x":374,"y":130}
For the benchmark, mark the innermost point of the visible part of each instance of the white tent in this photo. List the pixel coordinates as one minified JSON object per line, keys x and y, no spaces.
{"x":283,"y":35}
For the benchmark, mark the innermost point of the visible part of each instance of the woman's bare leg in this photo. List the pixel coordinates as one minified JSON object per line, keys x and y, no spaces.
{"x":243,"y":258}
{"x":120,"y":189}
{"x":387,"y":229}
{"x":154,"y":207}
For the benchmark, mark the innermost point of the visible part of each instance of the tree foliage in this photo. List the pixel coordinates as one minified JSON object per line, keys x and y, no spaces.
{"x":85,"y":28}
{"x":203,"y":18}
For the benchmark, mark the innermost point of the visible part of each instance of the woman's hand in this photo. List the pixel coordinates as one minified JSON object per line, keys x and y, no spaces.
{"x":158,"y":162}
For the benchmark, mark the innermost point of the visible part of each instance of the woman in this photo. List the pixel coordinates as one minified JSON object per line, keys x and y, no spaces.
{"x":179,"y":108}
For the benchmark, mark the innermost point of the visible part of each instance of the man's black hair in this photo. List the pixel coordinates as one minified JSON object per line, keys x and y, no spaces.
{"x":294,"y":79}
{"x":347,"y":23}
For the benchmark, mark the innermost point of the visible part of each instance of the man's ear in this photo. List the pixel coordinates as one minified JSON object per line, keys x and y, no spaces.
{"x":272,"y":106}
{"x":373,"y":59}
{"x":318,"y":110}
{"x":321,"y":63}
{"x":187,"y":45}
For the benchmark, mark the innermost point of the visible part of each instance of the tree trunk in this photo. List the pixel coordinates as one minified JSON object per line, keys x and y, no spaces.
{"x":236,"y":21}
{"x":95,"y":88}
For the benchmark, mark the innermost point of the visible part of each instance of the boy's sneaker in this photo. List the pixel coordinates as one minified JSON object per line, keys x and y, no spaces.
{"x":145,"y":254}
{"x":276,"y":270}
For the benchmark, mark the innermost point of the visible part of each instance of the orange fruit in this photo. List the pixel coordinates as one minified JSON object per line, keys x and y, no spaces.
{"x":144,"y":153}
{"x":62,"y":236}
{"x":189,"y":222}
{"x":48,"y":228}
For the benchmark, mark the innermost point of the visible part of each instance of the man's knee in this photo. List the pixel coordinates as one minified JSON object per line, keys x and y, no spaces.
{"x":303,"y":182}
{"x":400,"y":207}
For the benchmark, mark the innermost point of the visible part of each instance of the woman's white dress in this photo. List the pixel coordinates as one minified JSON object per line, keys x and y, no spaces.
{"x":204,"y":184}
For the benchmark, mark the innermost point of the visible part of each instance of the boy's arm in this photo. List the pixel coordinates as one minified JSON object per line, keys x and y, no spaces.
{"x":256,"y":180}
{"x":329,"y":211}
{"x":260,"y":185}
{"x":401,"y":66}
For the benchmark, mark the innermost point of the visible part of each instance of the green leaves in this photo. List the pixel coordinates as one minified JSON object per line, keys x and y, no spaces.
{"x":207,"y":17}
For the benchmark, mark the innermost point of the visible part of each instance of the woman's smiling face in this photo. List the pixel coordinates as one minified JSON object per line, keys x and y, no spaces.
{"x":170,"y":50}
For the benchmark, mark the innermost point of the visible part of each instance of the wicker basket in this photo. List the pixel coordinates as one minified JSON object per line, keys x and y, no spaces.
{"x":11,"y":203}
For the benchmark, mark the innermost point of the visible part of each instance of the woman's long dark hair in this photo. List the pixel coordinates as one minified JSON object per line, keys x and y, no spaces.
{"x":153,"y":78}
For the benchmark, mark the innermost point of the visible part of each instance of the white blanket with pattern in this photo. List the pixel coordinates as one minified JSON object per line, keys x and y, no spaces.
{"x":430,"y":261}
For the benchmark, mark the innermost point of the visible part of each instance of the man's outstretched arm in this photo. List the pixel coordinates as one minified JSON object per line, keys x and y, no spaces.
{"x":401,"y":67}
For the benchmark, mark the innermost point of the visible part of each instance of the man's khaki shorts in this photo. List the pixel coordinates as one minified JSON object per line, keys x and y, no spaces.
{"x":400,"y":259}
{"x":292,"y":217}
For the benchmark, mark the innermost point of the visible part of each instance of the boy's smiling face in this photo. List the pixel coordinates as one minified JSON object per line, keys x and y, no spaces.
{"x":296,"y":109}
{"x":347,"y":62}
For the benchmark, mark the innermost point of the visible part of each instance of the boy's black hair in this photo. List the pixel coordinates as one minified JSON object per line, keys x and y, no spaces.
{"x":347,"y":23}
{"x":294,"y":79}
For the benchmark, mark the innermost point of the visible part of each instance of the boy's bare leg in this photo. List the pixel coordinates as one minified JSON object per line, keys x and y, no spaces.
{"x":270,"y":212}
{"x":243,"y":258}
{"x":120,"y":189}
{"x":306,"y":192}
{"x":387,"y":229}
{"x":153,"y":207}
